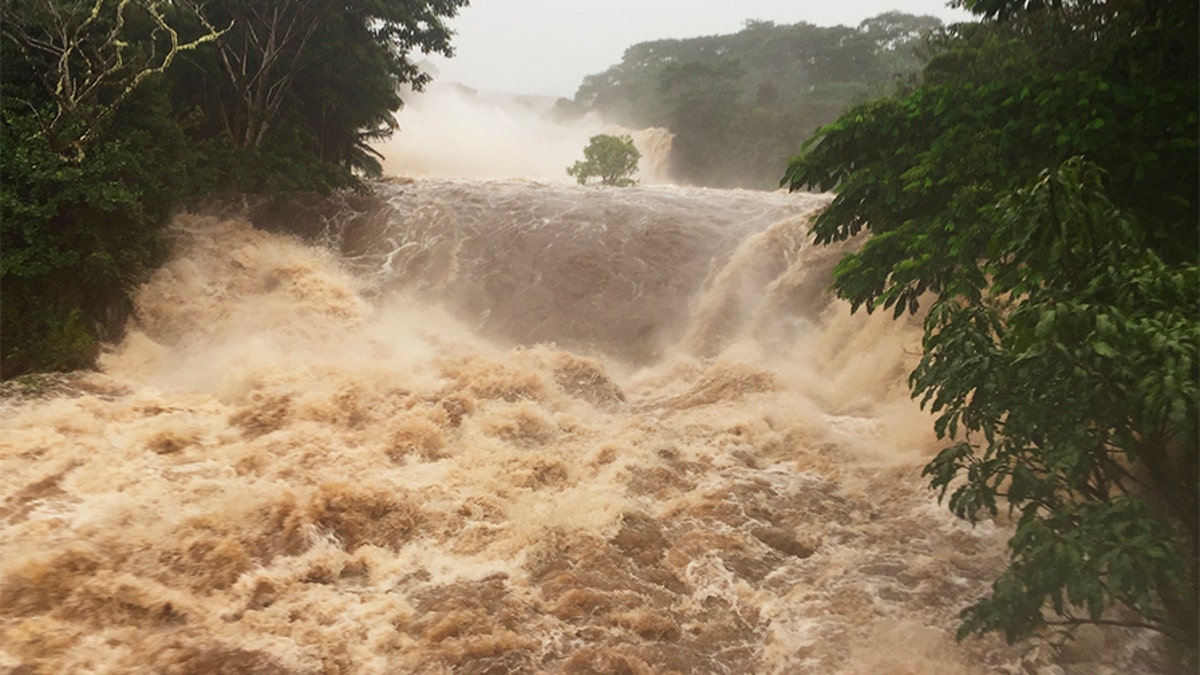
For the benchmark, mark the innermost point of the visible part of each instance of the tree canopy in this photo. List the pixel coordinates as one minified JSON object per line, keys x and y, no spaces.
{"x":1036,"y":191}
{"x":739,"y":103}
{"x":612,"y":159}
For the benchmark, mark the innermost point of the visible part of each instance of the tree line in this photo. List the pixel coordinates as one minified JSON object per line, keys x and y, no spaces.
{"x":1035,"y":193}
{"x":114,"y":112}
{"x":739,"y":104}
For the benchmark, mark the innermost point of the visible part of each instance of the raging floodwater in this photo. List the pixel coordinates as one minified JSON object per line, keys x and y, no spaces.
{"x":496,"y":427}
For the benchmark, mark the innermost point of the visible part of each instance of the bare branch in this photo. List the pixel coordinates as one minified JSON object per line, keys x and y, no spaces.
{"x":261,"y":62}
{"x":92,"y":70}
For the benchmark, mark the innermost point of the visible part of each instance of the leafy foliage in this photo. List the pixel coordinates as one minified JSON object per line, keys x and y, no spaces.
{"x":1080,"y":377}
{"x":78,"y":233}
{"x":612,"y":159}
{"x":1037,"y":192}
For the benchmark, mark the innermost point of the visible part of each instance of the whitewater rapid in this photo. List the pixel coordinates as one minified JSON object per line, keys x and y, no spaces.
{"x":496,"y":426}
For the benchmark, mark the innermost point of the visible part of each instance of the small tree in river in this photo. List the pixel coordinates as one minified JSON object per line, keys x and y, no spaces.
{"x":612,"y":159}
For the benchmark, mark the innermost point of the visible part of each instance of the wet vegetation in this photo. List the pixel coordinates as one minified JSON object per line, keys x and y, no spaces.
{"x":1036,"y":194}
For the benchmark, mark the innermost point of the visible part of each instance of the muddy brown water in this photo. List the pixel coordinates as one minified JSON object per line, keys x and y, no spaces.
{"x":497,"y":427}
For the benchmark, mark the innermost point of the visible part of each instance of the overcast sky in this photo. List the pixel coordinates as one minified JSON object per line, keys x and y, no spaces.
{"x":547,"y":46}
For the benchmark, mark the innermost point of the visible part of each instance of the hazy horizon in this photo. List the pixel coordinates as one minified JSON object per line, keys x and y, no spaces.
{"x":546,"y":48}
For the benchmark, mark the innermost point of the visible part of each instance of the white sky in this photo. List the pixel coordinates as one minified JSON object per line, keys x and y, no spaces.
{"x":547,"y":46}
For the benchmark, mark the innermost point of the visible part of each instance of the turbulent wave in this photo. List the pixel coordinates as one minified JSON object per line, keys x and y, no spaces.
{"x":495,"y":427}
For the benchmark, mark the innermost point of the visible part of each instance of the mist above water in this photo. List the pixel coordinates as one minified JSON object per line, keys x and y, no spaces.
{"x":450,"y":131}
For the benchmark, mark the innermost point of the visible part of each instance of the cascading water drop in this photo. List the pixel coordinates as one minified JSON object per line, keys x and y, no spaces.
{"x":495,"y":426}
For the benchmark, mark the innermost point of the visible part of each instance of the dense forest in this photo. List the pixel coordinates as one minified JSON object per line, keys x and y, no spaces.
{"x":1036,"y":196}
{"x":113,"y":113}
{"x":739,"y":105}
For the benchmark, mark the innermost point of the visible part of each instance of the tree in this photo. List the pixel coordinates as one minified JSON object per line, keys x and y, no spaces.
{"x":702,"y":103}
{"x":612,"y":159}
{"x":897,"y":36}
{"x":259,"y":56}
{"x":93,"y":163}
{"x":1038,"y":192}
{"x":310,"y":84}
{"x":91,"y":57}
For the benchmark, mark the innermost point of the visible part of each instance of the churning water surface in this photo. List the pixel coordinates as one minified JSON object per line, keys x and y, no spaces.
{"x":496,"y":426}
